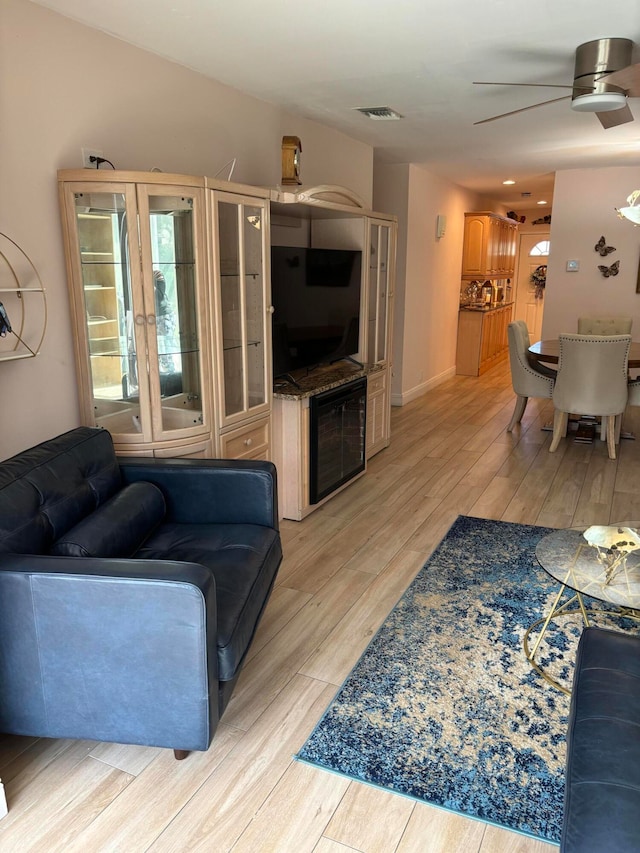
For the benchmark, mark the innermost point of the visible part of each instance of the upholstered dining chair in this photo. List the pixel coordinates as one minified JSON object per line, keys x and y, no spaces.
{"x":634,"y":392}
{"x":604,"y":325}
{"x":527,"y":380}
{"x":592,"y":379}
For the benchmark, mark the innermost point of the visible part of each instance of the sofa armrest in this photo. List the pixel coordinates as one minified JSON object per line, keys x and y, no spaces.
{"x":211,"y":491}
{"x":108,"y":649}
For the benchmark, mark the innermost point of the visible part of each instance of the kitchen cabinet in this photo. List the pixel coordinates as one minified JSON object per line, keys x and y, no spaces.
{"x":482,"y":339}
{"x":136,"y":262}
{"x":490,"y":244}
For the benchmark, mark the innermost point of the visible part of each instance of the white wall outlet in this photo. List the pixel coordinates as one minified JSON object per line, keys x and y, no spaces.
{"x":87,"y":153}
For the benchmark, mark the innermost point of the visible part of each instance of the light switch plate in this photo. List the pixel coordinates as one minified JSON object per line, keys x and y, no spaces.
{"x":573,"y":266}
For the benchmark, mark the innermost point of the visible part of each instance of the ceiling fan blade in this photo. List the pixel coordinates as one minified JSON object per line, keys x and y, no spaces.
{"x":613,"y":118}
{"x":523,"y":109}
{"x":544,"y":85}
{"x":498,"y":83}
{"x":627,"y":78}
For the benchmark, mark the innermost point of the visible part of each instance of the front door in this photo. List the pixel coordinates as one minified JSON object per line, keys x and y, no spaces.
{"x":534,"y":252}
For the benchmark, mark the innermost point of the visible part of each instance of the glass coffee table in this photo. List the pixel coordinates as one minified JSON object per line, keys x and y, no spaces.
{"x":601,"y":562}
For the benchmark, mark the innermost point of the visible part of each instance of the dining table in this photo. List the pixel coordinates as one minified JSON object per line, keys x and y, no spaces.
{"x":549,"y":352}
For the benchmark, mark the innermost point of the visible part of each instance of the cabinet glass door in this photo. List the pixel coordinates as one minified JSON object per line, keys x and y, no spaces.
{"x":241,"y":260}
{"x":171,"y":310}
{"x":378,"y":319}
{"x":104,"y":224}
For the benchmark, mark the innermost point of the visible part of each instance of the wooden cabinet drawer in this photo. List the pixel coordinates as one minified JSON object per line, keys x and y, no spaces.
{"x":247,"y":442}
{"x":196,"y":450}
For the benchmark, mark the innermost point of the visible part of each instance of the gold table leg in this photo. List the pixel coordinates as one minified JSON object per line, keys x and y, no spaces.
{"x":557,"y":609}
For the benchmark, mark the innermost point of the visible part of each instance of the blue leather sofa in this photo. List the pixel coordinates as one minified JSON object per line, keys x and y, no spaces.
{"x":130,"y":590}
{"x":602,"y":796}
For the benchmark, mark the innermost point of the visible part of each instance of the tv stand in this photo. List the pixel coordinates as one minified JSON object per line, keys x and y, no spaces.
{"x":292,"y":446}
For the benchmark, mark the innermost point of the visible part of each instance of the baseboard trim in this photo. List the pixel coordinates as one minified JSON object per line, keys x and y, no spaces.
{"x":419,"y":390}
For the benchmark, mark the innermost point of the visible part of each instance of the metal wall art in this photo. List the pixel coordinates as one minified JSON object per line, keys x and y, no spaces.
{"x":612,"y":270}
{"x":601,"y":246}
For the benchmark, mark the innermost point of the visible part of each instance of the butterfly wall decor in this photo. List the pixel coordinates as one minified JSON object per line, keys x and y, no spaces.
{"x":612,"y":270}
{"x":601,"y":246}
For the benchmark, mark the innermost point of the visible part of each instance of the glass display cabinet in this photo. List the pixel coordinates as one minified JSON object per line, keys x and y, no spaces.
{"x":135,"y":261}
{"x":243,"y":307}
{"x":379,"y":294}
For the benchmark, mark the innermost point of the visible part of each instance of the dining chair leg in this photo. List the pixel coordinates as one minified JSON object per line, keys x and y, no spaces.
{"x":618,"y":427}
{"x":560,"y":423}
{"x":611,"y":435}
{"x":518,"y":411}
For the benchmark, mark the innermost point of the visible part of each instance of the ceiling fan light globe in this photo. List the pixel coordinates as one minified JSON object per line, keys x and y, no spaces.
{"x":599,"y":102}
{"x":630,"y":213}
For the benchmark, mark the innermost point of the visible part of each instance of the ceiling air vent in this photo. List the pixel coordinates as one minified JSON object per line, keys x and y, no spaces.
{"x":379,"y":113}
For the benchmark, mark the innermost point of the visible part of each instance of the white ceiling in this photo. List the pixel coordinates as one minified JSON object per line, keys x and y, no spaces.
{"x":322,"y":59}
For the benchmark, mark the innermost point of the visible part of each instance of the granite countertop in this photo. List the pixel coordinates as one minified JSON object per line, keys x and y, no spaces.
{"x":492,"y":306}
{"x":321,"y":379}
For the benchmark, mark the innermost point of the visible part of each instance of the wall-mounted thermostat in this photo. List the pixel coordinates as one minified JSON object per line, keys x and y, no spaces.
{"x":441,"y":225}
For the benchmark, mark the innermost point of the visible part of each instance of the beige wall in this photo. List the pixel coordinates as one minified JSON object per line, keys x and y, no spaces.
{"x":583,"y":211}
{"x":428,"y":278}
{"x":63,"y":87}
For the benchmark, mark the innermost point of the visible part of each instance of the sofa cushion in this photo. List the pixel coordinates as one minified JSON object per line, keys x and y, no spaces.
{"x":47,"y":489}
{"x":244,"y":559}
{"x":118,"y":527}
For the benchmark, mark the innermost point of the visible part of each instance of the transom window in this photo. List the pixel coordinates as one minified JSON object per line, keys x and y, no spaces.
{"x":541,"y":248}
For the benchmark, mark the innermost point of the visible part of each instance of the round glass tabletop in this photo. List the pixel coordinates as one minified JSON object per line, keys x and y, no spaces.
{"x":608,"y":569}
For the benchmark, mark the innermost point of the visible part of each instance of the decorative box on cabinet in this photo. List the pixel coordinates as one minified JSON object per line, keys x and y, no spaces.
{"x":489,"y":249}
{"x":482,"y":339}
{"x":136,"y":263}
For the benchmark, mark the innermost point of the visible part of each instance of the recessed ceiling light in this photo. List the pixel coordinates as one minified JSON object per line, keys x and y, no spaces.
{"x":508,"y":183}
{"x":541,"y":202}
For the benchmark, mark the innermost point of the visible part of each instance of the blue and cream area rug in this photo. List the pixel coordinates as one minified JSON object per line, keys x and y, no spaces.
{"x":443,"y":705}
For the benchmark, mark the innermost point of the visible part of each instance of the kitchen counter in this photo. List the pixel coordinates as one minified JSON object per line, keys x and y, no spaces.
{"x":492,"y":306}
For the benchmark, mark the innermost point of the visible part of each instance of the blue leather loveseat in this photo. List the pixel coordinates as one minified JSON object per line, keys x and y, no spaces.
{"x":602,"y":796}
{"x":130,"y":590}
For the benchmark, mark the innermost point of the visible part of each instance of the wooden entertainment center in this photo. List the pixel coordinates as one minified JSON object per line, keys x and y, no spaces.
{"x":174,"y":348}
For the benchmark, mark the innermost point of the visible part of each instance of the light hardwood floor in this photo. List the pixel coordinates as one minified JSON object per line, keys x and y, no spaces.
{"x":345,"y":566}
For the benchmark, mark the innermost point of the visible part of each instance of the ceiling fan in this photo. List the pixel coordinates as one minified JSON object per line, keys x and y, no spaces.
{"x":603,"y":79}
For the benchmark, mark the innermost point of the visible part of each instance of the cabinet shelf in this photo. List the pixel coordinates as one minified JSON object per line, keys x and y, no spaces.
{"x":231,"y":344}
{"x":253,"y":275}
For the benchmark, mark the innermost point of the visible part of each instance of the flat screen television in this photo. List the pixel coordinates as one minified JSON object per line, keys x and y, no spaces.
{"x":316,"y":299}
